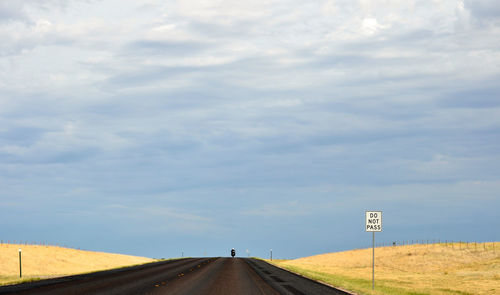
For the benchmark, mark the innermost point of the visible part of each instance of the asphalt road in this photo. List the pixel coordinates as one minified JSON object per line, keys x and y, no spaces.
{"x":202,"y":276}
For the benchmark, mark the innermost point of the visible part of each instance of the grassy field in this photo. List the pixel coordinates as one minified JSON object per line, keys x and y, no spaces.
{"x":462,"y":269}
{"x":49,"y":261}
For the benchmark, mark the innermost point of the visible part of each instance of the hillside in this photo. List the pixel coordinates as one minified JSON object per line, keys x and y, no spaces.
{"x":52,"y":261}
{"x":416,"y":269}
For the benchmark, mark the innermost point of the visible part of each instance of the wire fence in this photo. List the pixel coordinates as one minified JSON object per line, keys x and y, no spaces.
{"x":459,"y":245}
{"x":35,"y":243}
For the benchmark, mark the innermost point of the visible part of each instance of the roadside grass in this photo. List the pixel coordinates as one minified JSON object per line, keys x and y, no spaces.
{"x":352,"y":284}
{"x":409,"y":270}
{"x":43,"y":262}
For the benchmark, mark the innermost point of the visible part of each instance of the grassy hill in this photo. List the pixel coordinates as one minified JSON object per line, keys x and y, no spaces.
{"x":417,"y":269}
{"x":50,"y":261}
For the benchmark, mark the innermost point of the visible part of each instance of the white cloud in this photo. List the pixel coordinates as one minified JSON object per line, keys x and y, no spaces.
{"x":224,"y":12}
{"x":371,"y":26}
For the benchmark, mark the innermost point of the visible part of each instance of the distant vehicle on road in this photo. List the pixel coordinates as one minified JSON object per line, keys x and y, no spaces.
{"x":233,"y":252}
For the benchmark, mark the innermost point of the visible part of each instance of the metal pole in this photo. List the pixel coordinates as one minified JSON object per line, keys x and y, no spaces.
{"x":20,"y":265}
{"x":373,"y":262}
{"x":271,"y":254}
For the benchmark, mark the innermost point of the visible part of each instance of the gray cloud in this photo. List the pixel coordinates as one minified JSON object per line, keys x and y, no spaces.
{"x":473,"y":98}
{"x":12,"y":11}
{"x":488,"y":9}
{"x":147,"y":75}
{"x":23,"y":136}
{"x":168,"y":48}
{"x":16,"y":10}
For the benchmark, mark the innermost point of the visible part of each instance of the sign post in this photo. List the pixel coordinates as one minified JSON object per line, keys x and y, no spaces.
{"x":373,"y":223}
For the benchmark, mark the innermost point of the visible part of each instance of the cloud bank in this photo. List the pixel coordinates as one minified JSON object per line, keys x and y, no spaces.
{"x":247,"y":124}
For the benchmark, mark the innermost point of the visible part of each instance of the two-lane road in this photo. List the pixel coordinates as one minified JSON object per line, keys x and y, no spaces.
{"x":201,"y":276}
{"x":223,"y":276}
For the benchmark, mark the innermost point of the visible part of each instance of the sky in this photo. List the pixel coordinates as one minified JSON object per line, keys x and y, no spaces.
{"x":169,"y":128}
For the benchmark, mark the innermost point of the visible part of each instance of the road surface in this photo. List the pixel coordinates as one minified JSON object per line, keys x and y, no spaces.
{"x":201,"y":276}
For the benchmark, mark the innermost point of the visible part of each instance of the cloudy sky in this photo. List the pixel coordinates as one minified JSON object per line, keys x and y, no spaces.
{"x":156,"y":127}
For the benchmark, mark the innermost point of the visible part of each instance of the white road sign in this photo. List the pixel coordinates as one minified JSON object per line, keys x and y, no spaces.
{"x":373,"y":221}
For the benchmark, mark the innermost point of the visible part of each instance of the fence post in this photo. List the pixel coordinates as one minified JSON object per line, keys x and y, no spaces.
{"x":20,"y":265}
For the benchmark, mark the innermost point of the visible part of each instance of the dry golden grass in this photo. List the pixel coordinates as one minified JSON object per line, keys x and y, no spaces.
{"x":51,"y":261}
{"x":417,"y":269}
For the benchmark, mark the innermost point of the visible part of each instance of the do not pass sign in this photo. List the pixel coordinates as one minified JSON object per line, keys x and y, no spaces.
{"x":373,"y":221}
